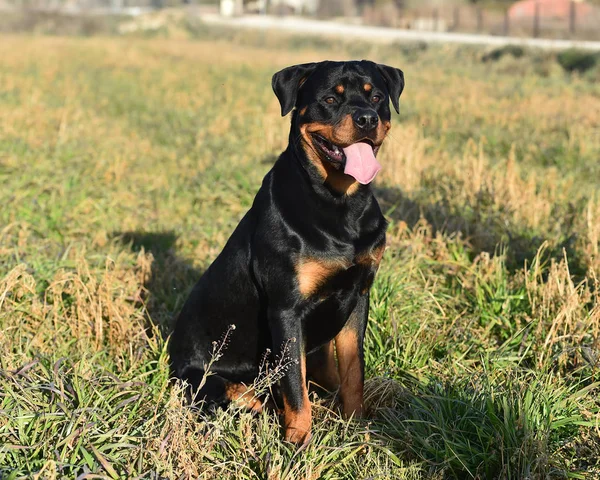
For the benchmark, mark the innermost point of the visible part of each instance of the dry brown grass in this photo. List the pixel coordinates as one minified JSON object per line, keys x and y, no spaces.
{"x":127,"y":162}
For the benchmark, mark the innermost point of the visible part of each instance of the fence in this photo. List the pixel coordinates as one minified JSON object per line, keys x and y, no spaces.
{"x":540,"y":19}
{"x":576,"y":20}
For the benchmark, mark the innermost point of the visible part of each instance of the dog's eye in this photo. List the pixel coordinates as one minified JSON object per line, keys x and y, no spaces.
{"x":330,"y":100}
{"x":376,"y":98}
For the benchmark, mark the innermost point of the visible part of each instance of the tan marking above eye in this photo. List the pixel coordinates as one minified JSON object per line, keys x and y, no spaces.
{"x":368,"y":87}
{"x":339,"y":89}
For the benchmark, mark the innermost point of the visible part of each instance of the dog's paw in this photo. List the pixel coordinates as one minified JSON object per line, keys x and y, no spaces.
{"x":298,"y":436}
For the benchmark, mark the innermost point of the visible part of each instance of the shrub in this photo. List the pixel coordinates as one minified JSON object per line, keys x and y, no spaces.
{"x":515,"y":51}
{"x":574,"y":60}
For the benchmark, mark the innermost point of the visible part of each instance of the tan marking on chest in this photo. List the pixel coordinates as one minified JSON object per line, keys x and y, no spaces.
{"x":343,"y":183}
{"x":314,"y":273}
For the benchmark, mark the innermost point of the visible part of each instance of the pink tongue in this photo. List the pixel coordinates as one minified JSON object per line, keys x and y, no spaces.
{"x":361,"y":162}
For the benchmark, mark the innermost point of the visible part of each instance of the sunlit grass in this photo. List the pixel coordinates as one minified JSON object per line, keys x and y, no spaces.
{"x":125,"y":165}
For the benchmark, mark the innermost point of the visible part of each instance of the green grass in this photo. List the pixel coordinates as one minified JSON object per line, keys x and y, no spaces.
{"x":125,"y":164}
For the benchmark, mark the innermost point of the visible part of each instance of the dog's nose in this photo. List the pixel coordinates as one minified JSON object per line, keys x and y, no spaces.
{"x":365,"y":118}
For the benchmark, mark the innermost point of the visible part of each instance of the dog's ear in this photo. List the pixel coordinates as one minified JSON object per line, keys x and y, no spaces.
{"x":394,"y":78}
{"x":287,"y":82}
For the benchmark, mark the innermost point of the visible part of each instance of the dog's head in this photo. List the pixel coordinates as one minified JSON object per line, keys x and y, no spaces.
{"x":342,"y":116}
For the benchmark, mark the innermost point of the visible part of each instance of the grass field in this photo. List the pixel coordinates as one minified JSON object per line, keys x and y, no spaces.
{"x":125,"y":164}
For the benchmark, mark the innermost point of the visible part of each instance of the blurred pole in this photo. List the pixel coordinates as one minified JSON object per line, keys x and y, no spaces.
{"x":536,"y":20}
{"x":456,"y":22}
{"x":572,"y":17}
{"x":228,"y":8}
{"x":479,"y":20}
{"x":506,"y":23}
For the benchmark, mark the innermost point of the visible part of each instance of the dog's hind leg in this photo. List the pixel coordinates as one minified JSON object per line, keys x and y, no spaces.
{"x":349,"y":346}
{"x":322,"y":369}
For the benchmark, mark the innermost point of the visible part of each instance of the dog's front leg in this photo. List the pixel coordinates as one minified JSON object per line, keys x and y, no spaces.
{"x":351,"y":364}
{"x":288,"y":345}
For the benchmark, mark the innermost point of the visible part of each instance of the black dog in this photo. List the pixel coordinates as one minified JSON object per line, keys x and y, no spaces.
{"x":294,"y":277}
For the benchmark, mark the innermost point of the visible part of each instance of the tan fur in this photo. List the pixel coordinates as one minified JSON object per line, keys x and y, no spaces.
{"x":343,"y":183}
{"x":311,"y":150}
{"x":303,"y":111}
{"x":343,"y":134}
{"x":386,"y":127}
{"x":243,"y":395}
{"x":313,"y":273}
{"x":371,"y":257}
{"x":339,"y":89}
{"x":368,"y":87}
{"x":297,"y":422}
{"x":324,"y":371}
{"x":351,"y":387}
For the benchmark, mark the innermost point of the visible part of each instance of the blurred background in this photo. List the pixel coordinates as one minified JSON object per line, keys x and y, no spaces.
{"x":575,"y":19}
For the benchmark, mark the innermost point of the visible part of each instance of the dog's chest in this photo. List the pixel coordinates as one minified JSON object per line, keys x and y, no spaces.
{"x":318,"y":277}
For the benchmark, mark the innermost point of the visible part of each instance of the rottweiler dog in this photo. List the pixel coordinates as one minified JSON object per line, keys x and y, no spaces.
{"x":294,"y":277}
